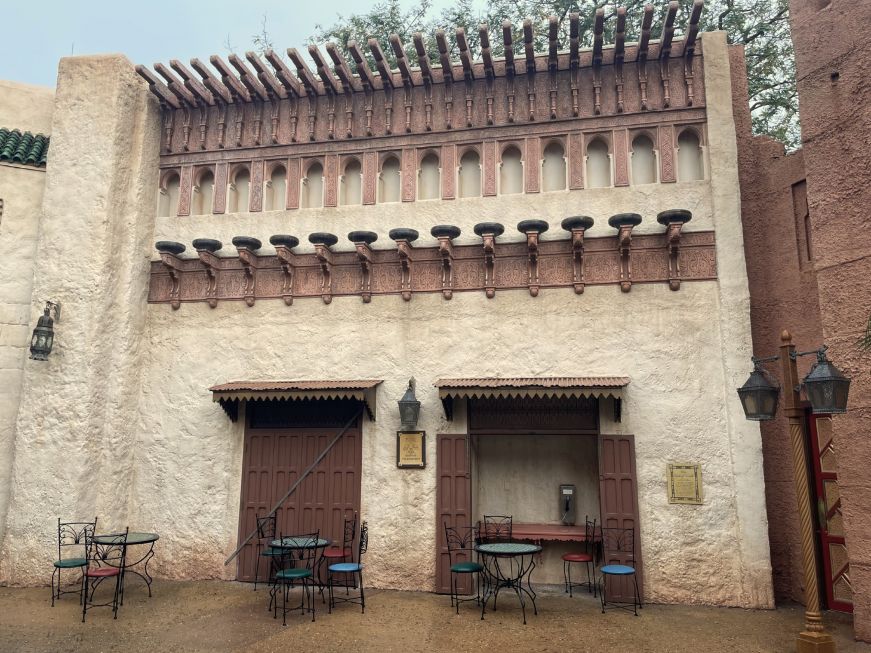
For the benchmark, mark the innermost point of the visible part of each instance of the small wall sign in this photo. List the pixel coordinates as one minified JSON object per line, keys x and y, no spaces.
{"x":685,"y":483}
{"x":411,"y":449}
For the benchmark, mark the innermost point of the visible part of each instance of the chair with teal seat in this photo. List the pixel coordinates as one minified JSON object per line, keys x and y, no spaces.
{"x":72,"y":550}
{"x":618,"y":574}
{"x":266,"y":527}
{"x":300,"y":573}
{"x":351,"y":569}
{"x":461,"y":541}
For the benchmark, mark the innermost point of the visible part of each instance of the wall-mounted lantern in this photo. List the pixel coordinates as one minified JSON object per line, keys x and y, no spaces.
{"x":43,"y":333}
{"x":409,"y":408}
{"x":759,"y":395}
{"x":826,"y":387}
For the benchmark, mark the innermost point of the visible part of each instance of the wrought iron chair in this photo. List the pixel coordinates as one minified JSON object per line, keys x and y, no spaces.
{"x":72,"y":551}
{"x":461,"y":548}
{"x":266,"y":527}
{"x":354,"y":569}
{"x":106,"y":556}
{"x":344,"y":552}
{"x":589,"y":557}
{"x":618,"y":551}
{"x":496,"y":528}
{"x":302,"y":558}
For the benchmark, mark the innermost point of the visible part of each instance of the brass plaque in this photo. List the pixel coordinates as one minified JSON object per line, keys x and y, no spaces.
{"x":411,"y":449}
{"x":684,"y":483}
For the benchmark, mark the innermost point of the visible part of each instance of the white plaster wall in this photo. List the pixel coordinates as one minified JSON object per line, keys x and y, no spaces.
{"x":26,"y":107}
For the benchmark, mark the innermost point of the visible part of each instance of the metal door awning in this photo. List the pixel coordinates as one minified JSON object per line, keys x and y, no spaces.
{"x":525,"y":387}
{"x":230,"y":394}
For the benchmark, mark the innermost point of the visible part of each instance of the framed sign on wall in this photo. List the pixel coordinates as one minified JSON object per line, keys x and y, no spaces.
{"x":411,"y":449}
{"x":685,"y":483}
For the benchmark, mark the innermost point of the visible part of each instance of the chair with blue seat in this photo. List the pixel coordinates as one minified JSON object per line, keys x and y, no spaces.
{"x":461,"y":542}
{"x":266,"y":528}
{"x":588,"y":557}
{"x":72,"y":550}
{"x":300,"y":573}
{"x":352,"y":569}
{"x":618,"y":552}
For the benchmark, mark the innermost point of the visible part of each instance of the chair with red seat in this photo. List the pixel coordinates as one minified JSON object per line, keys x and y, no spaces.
{"x":345,"y":551}
{"x":106,"y":555}
{"x":588,"y":557}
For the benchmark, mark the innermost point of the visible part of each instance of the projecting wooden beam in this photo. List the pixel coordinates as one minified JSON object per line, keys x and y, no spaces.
{"x":192,"y":83}
{"x":215,"y":85}
{"x":422,"y":58}
{"x":324,"y":72}
{"x":486,"y":55}
{"x":442,"y":43}
{"x":303,"y":72}
{"x":598,"y":30}
{"x":528,"y":45}
{"x":508,"y":40}
{"x":692,"y":31}
{"x":365,"y":74}
{"x":176,"y":86}
{"x":158,"y":88}
{"x":668,"y":30}
{"x":465,"y":55}
{"x":342,"y":68}
{"x":620,"y":36}
{"x":574,"y":39}
{"x":230,"y":80}
{"x":381,"y":64}
{"x":269,"y":80}
{"x":553,"y":42}
{"x":401,"y":60}
{"x":287,"y":79}
{"x":644,"y":43}
{"x":248,"y":78}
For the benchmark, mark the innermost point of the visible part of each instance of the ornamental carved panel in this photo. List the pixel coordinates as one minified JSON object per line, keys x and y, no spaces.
{"x":666,"y":154}
{"x":255,"y":201}
{"x":490,"y":168}
{"x":576,"y":161}
{"x":293,"y":183}
{"x":185,"y":190}
{"x":621,"y":164}
{"x":533,"y":165}
{"x":219,"y":203}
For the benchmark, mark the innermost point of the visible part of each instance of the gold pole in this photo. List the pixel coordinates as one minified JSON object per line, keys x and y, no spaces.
{"x":814,"y":638}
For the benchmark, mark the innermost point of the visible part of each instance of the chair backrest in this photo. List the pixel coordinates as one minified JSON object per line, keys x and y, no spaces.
{"x":107,"y":550}
{"x":307,"y":551}
{"x":497,"y":528}
{"x":460,"y":539}
{"x":349,"y":532}
{"x":74,"y":534}
{"x":266,"y":527}
{"x":619,"y":542}
{"x":364,"y":541}
{"x":592,"y":535}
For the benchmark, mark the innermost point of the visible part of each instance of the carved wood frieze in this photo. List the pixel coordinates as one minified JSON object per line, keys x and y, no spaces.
{"x":445,"y":269}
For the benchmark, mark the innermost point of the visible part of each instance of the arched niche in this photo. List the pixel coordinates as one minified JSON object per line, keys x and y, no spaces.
{"x":429,"y":178}
{"x":239,"y":190}
{"x":352,"y":183}
{"x":204,"y":193}
{"x":313,"y":186}
{"x":276,"y":189}
{"x":469,"y":174}
{"x":598,"y":164}
{"x":553,"y":167}
{"x":511,"y":171}
{"x":389,"y":186}
{"x":167,"y":201}
{"x":690,"y":164}
{"x":643,"y":160}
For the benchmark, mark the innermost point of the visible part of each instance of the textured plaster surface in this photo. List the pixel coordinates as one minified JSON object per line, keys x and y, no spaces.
{"x":26,"y":107}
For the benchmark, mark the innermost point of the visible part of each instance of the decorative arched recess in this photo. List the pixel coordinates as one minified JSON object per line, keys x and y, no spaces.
{"x":553,"y":167}
{"x":204,"y":192}
{"x":276,"y":189}
{"x":312,"y":194}
{"x":389,"y":180}
{"x":168,"y":193}
{"x":469,"y":174}
{"x":511,"y":171}
{"x":429,"y":177}
{"x":598,"y":164}
{"x":643,"y":160}
{"x":690,"y":162}
{"x":351,"y":183}
{"x":239,"y":189}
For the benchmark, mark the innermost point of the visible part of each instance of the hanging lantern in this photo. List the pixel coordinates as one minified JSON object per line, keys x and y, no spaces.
{"x":43,"y":334}
{"x":826,"y":387}
{"x":409,"y":408}
{"x":759,"y":395}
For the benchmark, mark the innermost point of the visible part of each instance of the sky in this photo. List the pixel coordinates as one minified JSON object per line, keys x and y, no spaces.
{"x":37,"y":34}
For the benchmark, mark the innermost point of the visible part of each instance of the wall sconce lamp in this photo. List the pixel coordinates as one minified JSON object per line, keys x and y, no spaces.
{"x":409,"y":408}
{"x":43,"y":333}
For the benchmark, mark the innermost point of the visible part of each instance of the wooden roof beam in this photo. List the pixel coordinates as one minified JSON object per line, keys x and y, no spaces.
{"x":644,"y":43}
{"x":422,"y":58}
{"x":176,"y":86}
{"x":598,"y":32}
{"x":230,"y":80}
{"x":465,"y":55}
{"x":342,"y":68}
{"x":303,"y":72}
{"x":215,"y":85}
{"x":508,"y":40}
{"x":486,"y":54}
{"x":363,"y":70}
{"x":447,"y":67}
{"x":270,"y":81}
{"x":330,"y":82}
{"x":574,"y":39}
{"x":620,"y":36}
{"x":158,"y":88}
{"x":401,"y":60}
{"x":553,"y":42}
{"x":249,"y":79}
{"x":528,"y":45}
{"x":668,"y":30}
{"x":692,"y":31}
{"x":192,"y":83}
{"x":381,"y":64}
{"x":287,"y":78}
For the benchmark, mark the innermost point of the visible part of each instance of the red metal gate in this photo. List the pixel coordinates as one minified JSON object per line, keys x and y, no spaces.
{"x":281,"y":441}
{"x":836,"y":569}
{"x":454,"y":504}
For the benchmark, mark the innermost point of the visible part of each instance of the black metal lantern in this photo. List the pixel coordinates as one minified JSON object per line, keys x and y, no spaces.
{"x":409,"y":408}
{"x":43,"y":334}
{"x":759,"y":395}
{"x":826,"y":387}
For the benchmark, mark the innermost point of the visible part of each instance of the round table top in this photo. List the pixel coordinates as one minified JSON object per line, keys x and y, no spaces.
{"x":508,"y":548}
{"x":132,"y":538}
{"x":299,"y":543}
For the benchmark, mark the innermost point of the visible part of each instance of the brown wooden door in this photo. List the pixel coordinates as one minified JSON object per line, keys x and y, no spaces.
{"x":618,"y":496}
{"x":453,"y":505}
{"x":273,"y":459}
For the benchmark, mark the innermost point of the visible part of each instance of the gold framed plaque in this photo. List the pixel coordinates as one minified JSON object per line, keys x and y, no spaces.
{"x":685,"y":483}
{"x":411,"y":449}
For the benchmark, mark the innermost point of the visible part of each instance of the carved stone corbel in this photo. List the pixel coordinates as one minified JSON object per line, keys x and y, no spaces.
{"x":283,"y":244}
{"x":186,"y":128}
{"x":247,"y":248}
{"x":168,"y":127}
{"x":274,"y":105}
{"x":312,"y":115}
{"x":206,"y":248}
{"x":533,"y":229}
{"x":362,"y":240}
{"x":169,"y":251}
{"x":404,"y":238}
{"x":674,"y":220}
{"x":489,"y":231}
{"x":623,"y":223}
{"x":204,"y":115}
{"x":446,"y":234}
{"x":322,"y":242}
{"x":577,"y":225}
{"x":222,"y":123}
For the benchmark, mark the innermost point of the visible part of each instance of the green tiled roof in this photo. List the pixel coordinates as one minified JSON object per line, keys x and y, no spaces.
{"x":24,"y":148}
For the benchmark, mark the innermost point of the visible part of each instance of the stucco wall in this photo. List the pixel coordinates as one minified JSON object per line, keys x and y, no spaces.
{"x":26,"y":107}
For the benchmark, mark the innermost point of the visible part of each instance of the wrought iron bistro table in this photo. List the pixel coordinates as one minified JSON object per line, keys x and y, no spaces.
{"x":297,"y":543}
{"x":133,"y":539}
{"x":508,"y":564}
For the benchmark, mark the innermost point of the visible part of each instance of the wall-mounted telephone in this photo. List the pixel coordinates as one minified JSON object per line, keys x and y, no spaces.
{"x":567,"y":504}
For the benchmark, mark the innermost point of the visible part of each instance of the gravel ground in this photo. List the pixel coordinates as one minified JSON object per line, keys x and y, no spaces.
{"x":224,"y":616}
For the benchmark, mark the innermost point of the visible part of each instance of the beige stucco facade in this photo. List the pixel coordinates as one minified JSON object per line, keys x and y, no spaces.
{"x":119,"y":422}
